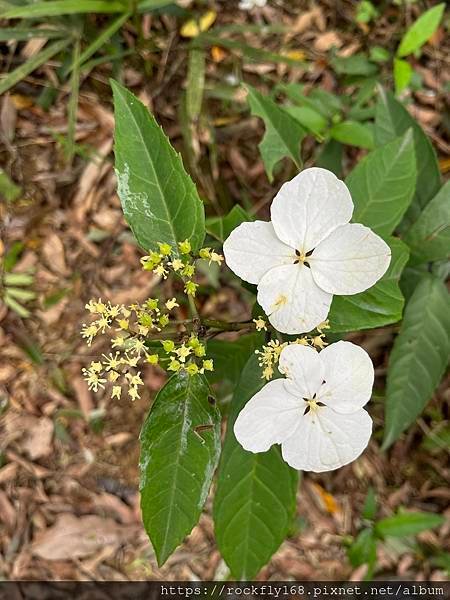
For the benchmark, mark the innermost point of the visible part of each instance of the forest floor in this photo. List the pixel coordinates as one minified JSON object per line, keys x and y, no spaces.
{"x":68,"y":457}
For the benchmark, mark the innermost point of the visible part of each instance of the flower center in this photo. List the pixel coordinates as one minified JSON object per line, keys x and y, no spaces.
{"x":312,"y":404}
{"x":301,"y":257}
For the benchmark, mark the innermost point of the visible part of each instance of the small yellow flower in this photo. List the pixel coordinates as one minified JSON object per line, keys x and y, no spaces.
{"x":185,"y":247}
{"x":303,"y":341}
{"x":161,"y":271}
{"x":208,"y":365}
{"x":118,"y":342}
{"x":133,"y":393}
{"x":323,"y":325}
{"x":164,"y":320}
{"x":113,"y":376}
{"x":183,"y":352}
{"x":125,"y":312}
{"x":123,"y":324}
{"x":267,"y":373}
{"x":152,"y":303}
{"x":260,"y":324}
{"x":89,"y":332}
{"x":217,"y":258}
{"x":191,"y":288}
{"x":177,"y":264}
{"x":134,"y":380}
{"x":205,"y":253}
{"x":200,"y":351}
{"x":192,"y":369}
{"x":168,"y":345}
{"x":194,"y":341}
{"x":96,"y":367}
{"x":111,"y":362}
{"x":91,"y":306}
{"x":103,"y":323}
{"x":319,"y":342}
{"x":174,"y":365}
{"x":137,"y":346}
{"x":143,"y":330}
{"x":116,"y":392}
{"x":131,"y":361}
{"x":188,"y":270}
{"x":114,"y":311}
{"x":153,"y":359}
{"x":171,"y":304}
{"x":165,"y":249}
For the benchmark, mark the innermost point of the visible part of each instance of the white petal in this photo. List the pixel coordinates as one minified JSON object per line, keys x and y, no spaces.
{"x":350,"y":260}
{"x":253,"y":248}
{"x":302,"y":365}
{"x":309,"y":207}
{"x":292,"y":300}
{"x":268,"y":418}
{"x":326,"y":440}
{"x":348,"y":377}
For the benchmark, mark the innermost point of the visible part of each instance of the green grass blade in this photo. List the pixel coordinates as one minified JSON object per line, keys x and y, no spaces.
{"x":21,"y":34}
{"x":55,"y":8}
{"x":103,"y":37}
{"x":145,"y":5}
{"x":32,"y":64}
{"x":73,"y":104}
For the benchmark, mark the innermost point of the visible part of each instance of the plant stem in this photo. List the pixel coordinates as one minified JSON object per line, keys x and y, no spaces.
{"x":224,"y":326}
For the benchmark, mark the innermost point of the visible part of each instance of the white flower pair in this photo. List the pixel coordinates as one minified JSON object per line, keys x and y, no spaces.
{"x":306,"y":254}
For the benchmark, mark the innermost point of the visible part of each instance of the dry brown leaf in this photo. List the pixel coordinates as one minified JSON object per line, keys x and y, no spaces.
{"x":54,"y":255}
{"x":38,"y":442}
{"x":72,"y":537}
{"x":326,"y":41}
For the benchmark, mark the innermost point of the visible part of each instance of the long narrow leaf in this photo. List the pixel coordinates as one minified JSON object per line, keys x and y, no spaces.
{"x":20,"y":34}
{"x":55,"y":8}
{"x":32,"y":64}
{"x":99,"y":41}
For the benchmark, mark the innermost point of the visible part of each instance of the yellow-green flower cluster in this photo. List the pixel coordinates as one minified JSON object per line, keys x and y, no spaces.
{"x":187,"y":356}
{"x":269,"y":355}
{"x":163,"y":261}
{"x":131,"y":325}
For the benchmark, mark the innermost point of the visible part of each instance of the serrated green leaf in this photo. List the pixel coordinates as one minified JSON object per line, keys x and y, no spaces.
{"x":382,"y":185}
{"x":380,"y":305}
{"x":180,"y":447}
{"x":283,"y":133}
{"x":429,"y":237}
{"x":54,"y":8}
{"x":405,"y":524}
{"x":402,"y":74}
{"x":392,"y":120}
{"x":418,"y":358}
{"x":421,"y":30}
{"x":353,"y":133}
{"x":159,"y":200}
{"x":255,"y":496}
{"x":221,"y":227}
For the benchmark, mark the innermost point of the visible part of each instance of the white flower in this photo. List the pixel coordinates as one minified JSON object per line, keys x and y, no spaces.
{"x":249,"y":4}
{"x":315,"y":413}
{"x":307,"y":253}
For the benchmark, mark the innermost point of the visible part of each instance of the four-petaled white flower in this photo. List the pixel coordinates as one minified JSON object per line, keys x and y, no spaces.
{"x":307,"y":252}
{"x":315,"y":413}
{"x":249,"y":4}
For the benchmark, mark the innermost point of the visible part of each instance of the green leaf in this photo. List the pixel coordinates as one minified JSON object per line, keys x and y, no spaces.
{"x":370,"y":507}
{"x":195,"y":83}
{"x":380,"y":305}
{"x":392,"y":120}
{"x":231,"y":357}
{"x":429,"y":236}
{"x":405,"y":524}
{"x":221,"y":227}
{"x":25,"y":34}
{"x":256,"y":493}
{"x":180,"y":447}
{"x":353,"y":134}
{"x":364,"y":549}
{"x":308,"y":118}
{"x":9,"y":190}
{"x":283,"y":133}
{"x":421,"y":30}
{"x":402,"y":74}
{"x":358,"y":64}
{"x":382,"y":185}
{"x":419,"y":356}
{"x":55,"y":8}
{"x":32,"y":64}
{"x":160,"y":202}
